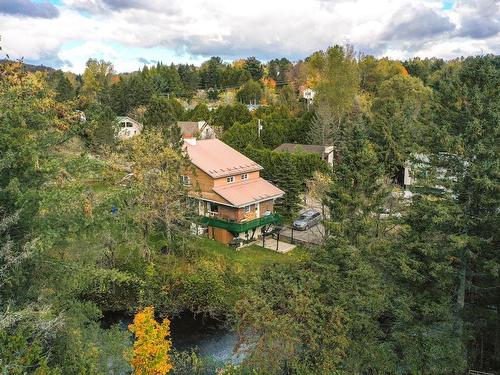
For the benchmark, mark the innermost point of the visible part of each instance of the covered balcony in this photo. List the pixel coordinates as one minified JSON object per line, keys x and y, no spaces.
{"x":240,"y":227}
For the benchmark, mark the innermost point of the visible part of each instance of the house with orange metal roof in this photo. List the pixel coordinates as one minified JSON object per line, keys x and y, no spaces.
{"x":233,"y":200}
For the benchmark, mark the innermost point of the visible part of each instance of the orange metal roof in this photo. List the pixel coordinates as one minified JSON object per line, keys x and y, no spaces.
{"x":247,"y":192}
{"x":217,"y":159}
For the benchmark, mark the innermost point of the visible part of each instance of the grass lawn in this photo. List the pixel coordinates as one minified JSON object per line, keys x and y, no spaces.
{"x":250,"y":257}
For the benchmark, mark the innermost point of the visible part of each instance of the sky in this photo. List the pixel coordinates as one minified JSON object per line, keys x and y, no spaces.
{"x":130,"y":33}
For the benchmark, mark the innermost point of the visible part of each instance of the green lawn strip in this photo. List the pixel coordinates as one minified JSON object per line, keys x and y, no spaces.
{"x":251,"y":258}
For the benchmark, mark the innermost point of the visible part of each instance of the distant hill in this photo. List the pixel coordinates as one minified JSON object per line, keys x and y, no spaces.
{"x":32,"y":68}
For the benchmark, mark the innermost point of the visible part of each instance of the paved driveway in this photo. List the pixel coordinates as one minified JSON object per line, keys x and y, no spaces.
{"x":312,"y":235}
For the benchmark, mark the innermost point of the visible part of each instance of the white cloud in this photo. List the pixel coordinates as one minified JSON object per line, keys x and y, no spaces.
{"x":122,"y":30}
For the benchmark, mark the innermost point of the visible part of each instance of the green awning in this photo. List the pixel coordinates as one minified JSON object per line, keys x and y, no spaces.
{"x":240,"y":227}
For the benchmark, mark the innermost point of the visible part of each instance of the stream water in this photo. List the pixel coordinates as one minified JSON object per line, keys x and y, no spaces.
{"x":208,"y":337}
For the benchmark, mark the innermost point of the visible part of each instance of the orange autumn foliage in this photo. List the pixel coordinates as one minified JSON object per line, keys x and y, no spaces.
{"x":404,"y":71}
{"x":269,"y":83}
{"x":152,"y":344}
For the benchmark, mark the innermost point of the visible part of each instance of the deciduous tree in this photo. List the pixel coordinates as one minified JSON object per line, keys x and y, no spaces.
{"x":152,"y":344}
{"x":96,"y":79}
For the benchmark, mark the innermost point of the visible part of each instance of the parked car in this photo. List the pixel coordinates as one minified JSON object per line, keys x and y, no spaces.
{"x":307,"y":220}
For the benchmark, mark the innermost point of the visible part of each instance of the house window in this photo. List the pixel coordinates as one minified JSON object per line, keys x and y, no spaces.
{"x":186,"y":180}
{"x":129,"y":124}
{"x":212,"y":207}
{"x":244,"y":176}
{"x":230,"y":179}
{"x":122,"y":124}
{"x":246,"y":209}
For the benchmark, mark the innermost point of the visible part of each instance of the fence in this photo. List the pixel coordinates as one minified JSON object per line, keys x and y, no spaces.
{"x":304,"y":238}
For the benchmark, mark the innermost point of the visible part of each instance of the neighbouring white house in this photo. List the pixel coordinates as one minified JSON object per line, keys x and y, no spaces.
{"x":196,"y":129}
{"x":253,"y":106}
{"x":308,"y":94}
{"x":325,"y":152}
{"x":128,"y":127}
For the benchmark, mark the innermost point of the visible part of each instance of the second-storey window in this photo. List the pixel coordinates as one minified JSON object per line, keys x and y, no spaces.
{"x":246,"y":209}
{"x":244,"y":176}
{"x":212,"y":207}
{"x":186,"y":180}
{"x":230,"y":179}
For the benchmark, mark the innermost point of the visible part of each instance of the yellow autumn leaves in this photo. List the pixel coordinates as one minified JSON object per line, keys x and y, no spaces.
{"x":152,"y":344}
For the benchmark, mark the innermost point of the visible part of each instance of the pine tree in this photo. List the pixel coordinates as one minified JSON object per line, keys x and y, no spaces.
{"x":287,"y":179}
{"x":469,"y":98}
{"x":358,"y":187}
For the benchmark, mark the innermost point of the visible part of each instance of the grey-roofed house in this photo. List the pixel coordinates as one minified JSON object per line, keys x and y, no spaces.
{"x":196,"y":129}
{"x":325,"y":152}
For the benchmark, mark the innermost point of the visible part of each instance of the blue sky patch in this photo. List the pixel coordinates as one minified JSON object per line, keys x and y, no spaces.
{"x":447,"y":5}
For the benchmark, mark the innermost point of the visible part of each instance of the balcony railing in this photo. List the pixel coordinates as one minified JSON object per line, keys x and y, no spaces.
{"x":240,"y":227}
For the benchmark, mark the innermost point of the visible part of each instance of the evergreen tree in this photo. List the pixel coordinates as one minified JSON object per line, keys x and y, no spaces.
{"x":101,"y":127}
{"x":190,"y":79}
{"x":211,"y":73}
{"x":227,"y":116}
{"x":469,"y":98}
{"x":401,"y":120}
{"x":358,"y":185}
{"x":163,"y":114}
{"x":198,"y":113}
{"x":286,"y":177}
{"x":254,"y":67}
{"x":61,"y":84}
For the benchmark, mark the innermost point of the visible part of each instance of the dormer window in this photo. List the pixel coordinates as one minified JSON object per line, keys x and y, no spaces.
{"x":244,"y":176}
{"x":230,"y":179}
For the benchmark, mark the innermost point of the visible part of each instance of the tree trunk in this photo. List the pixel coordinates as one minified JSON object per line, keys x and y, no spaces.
{"x":496,"y":349}
{"x":461,"y":295}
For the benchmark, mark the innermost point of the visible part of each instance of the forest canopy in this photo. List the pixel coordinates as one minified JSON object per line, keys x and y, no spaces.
{"x":92,"y":226}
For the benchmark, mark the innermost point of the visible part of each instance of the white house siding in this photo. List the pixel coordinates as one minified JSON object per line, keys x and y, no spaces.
{"x":128,"y":128}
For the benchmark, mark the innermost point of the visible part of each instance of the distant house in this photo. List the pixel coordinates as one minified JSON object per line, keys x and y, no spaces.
{"x":252,"y":107}
{"x":325,"y":152}
{"x":196,"y":129}
{"x":233,"y":200}
{"x":308,"y":94}
{"x":127,"y":127}
{"x":414,"y":175}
